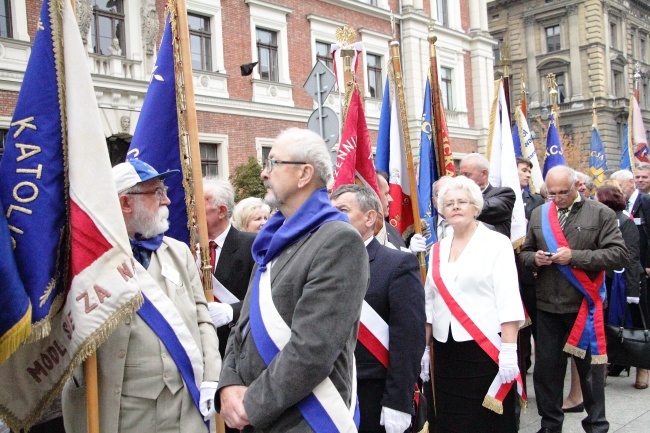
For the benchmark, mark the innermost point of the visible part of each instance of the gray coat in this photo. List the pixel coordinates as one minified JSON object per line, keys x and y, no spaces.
{"x":318,"y":285}
{"x":596,"y":245}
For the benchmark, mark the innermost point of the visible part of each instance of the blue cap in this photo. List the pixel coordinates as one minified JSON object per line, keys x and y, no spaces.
{"x":132,"y":172}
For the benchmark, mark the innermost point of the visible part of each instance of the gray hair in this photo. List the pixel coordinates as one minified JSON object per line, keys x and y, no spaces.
{"x":642,"y":166}
{"x":570,"y":173}
{"x":622,"y":175}
{"x":366,"y":198}
{"x":305,"y":145}
{"x":218,"y":192}
{"x":479,"y":160}
{"x":245,"y":209}
{"x":462,"y":183}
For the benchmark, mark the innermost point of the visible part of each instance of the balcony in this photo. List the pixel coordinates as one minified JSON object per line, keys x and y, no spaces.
{"x":115,"y":66}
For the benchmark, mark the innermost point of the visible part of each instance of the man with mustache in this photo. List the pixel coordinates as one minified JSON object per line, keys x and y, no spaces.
{"x":159,"y":370}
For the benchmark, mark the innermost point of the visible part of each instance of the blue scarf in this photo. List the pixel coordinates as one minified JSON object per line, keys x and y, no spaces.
{"x":142,"y":248}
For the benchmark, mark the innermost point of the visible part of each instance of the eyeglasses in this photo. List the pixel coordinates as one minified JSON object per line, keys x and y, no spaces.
{"x":461,"y":203}
{"x":558,"y":195}
{"x":271,"y":162}
{"x":159,"y":192}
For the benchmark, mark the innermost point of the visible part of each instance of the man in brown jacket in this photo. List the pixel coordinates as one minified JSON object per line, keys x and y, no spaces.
{"x":595,"y":245}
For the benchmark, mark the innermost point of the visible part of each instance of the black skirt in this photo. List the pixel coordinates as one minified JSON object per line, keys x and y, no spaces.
{"x":463,"y":373}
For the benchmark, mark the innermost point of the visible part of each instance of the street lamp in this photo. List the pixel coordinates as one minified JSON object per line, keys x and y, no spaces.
{"x":543,"y":111}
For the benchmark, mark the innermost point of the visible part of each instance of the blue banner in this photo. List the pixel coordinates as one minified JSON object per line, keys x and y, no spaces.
{"x":156,"y":138}
{"x":517,"y":142}
{"x":554,"y":154}
{"x":382,"y":150}
{"x":597,"y":158}
{"x":626,"y":162}
{"x":428,"y":172}
{"x":33,"y":181}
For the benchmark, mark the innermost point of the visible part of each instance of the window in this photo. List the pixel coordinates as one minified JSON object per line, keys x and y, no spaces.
{"x":645,"y":95}
{"x":374,"y":75}
{"x":107,"y":30}
{"x":443,"y":18}
{"x":446,"y":88}
{"x":613,"y":40}
{"x":323,"y":54}
{"x":209,"y":159}
{"x":617,"y":83}
{"x":5,"y":19}
{"x":3,"y":140}
{"x":552,"y":38}
{"x":496,"y":51}
{"x":200,"y":42}
{"x":267,"y":53}
{"x":561,"y":88}
{"x":643,"y":49}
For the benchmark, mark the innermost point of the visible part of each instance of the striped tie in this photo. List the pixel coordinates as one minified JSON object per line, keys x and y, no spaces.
{"x":562,"y":216}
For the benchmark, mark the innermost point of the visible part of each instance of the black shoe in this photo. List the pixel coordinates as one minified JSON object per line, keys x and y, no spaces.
{"x":577,"y":408}
{"x":615,"y":370}
{"x":548,"y":430}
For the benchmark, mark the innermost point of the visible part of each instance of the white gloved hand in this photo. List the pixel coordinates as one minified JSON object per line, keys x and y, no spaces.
{"x":508,"y":367}
{"x":206,"y":399}
{"x":632,"y":299}
{"x":394,"y":421}
{"x":418,"y":243}
{"x":220,"y":313}
{"x":425,"y":363}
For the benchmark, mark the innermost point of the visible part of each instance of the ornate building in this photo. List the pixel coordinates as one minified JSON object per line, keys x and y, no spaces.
{"x":592,"y":47}
{"x":240,"y":115}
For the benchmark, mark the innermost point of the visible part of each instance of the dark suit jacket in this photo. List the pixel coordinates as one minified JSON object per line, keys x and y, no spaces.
{"x":641,"y":213}
{"x":234,"y":270}
{"x":397,"y":295}
{"x":531,"y":201}
{"x":393,"y":236}
{"x":318,"y":285}
{"x":498,"y":204}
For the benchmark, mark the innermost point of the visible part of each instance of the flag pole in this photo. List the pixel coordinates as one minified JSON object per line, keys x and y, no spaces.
{"x":506,"y":62}
{"x":195,"y":158}
{"x":399,"y":85}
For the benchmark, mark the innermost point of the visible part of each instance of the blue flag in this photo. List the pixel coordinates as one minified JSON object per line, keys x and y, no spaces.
{"x":33,"y":183}
{"x":626,"y":162}
{"x":516,"y":141}
{"x":597,"y":158}
{"x":428,"y":172}
{"x":382,"y":150}
{"x":554,"y":154}
{"x":156,"y":139}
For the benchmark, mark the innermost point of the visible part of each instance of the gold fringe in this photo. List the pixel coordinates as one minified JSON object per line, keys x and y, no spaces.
{"x":493,"y":117}
{"x":519,"y":242}
{"x":425,"y":428}
{"x":523,"y":404}
{"x":527,"y":322}
{"x":86,"y":349}
{"x":43,"y":327}
{"x":16,"y":336}
{"x":493,"y":404}
{"x":599,"y":359}
{"x":575,"y":351}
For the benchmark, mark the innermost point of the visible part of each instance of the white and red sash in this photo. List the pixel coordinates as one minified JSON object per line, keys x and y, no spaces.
{"x":498,"y":390}
{"x":221,"y":294}
{"x":373,"y":333}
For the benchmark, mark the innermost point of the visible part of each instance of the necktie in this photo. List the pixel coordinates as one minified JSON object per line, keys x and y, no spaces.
{"x":213,"y":254}
{"x":562,"y":216}
{"x":443,"y":228}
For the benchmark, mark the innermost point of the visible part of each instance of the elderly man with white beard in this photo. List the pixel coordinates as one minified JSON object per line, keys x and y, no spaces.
{"x":159,"y":370}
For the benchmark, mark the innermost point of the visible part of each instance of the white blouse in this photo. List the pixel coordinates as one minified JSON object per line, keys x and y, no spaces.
{"x":484,"y":283}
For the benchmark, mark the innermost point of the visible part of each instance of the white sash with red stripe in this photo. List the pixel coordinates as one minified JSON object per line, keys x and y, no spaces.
{"x":221,"y":294}
{"x":490,"y":344}
{"x":373,"y":333}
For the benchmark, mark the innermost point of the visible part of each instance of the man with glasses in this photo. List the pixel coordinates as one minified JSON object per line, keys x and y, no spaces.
{"x":289,"y":363}
{"x":148,"y":367}
{"x":570,"y":243}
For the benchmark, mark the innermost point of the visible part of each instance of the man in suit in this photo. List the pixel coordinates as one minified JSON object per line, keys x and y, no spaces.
{"x":396,"y":295}
{"x":498,"y":202}
{"x":595,"y":245}
{"x":233,"y":260}
{"x":531,"y":201}
{"x":144,"y":381}
{"x":298,"y":325}
{"x":642,"y":177}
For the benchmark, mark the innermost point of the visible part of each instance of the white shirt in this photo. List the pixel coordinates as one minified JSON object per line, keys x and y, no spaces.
{"x":483,"y":281}
{"x":219,"y":241}
{"x":631,"y":201}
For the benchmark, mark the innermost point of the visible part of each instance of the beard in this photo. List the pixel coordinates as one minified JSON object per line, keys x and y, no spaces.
{"x":271,"y":198}
{"x":150,"y":224}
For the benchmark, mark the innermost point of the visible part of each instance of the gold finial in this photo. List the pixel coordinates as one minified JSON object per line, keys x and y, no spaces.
{"x":431,"y":37}
{"x":345,"y":35}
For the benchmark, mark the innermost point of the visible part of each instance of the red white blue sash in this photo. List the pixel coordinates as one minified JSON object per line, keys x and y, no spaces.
{"x":164,"y":319}
{"x":324,"y":408}
{"x":588,"y":332}
{"x":498,"y":390}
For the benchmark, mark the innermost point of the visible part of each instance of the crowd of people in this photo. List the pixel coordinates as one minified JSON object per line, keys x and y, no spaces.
{"x":322,"y":321}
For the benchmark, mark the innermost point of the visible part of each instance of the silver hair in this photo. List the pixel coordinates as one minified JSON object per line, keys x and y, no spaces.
{"x":570,"y":173}
{"x":479,"y":160}
{"x":366,"y":198}
{"x":245,"y":209}
{"x":218,"y":192}
{"x":642,"y":166}
{"x":305,"y":145}
{"x":622,"y":175}
{"x":465,"y":184}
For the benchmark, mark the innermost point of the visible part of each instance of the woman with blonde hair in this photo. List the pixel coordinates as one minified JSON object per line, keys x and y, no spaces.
{"x":251,"y":214}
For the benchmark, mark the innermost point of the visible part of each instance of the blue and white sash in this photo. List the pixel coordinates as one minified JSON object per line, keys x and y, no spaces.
{"x":324,"y":408}
{"x":160,"y":313}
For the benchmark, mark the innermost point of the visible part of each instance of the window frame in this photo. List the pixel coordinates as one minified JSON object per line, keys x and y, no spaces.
{"x":327,"y":60}
{"x":208,"y":163}
{"x":274,"y":67}
{"x":447,"y":88}
{"x":557,"y":46}
{"x":95,"y":37}
{"x":204,"y":35}
{"x":377,"y":72}
{"x":8,"y":20}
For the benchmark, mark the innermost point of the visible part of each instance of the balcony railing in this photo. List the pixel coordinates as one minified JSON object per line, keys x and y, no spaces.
{"x":115,"y":66}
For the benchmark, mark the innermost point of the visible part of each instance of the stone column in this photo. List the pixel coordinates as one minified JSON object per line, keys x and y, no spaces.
{"x":574,"y":55}
{"x":531,"y":63}
{"x":607,"y":39}
{"x":474,"y":15}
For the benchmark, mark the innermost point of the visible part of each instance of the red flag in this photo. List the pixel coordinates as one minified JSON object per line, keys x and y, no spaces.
{"x":354,"y":158}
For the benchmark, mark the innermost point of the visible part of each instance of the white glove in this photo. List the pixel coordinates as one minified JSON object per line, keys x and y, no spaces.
{"x":206,"y":399}
{"x":220,"y":313}
{"x":508,"y":368}
{"x":425,"y":363}
{"x":418,"y":243}
{"x":394,"y":421}
{"x":632,"y":299}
